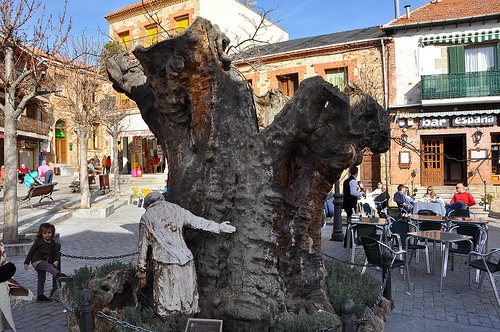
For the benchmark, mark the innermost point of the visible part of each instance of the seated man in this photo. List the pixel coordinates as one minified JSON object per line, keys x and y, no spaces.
{"x":461,"y":200}
{"x":402,"y":200}
{"x":21,"y":172}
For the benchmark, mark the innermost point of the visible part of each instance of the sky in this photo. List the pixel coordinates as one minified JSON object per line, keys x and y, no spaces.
{"x":301,"y":18}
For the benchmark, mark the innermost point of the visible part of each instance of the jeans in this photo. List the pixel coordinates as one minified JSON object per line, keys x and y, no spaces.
{"x":48,"y":177}
{"x":455,"y":206}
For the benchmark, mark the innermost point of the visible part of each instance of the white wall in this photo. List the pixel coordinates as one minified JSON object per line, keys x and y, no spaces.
{"x":414,"y":60}
{"x":227,"y":15}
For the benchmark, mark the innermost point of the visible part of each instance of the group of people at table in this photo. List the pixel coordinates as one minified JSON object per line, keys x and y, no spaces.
{"x":355,"y":195}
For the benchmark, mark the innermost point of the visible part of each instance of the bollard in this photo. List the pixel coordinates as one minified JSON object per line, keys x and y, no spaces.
{"x":85,"y":309}
{"x":337,"y":233}
{"x":347,"y":316}
{"x":386,"y":268}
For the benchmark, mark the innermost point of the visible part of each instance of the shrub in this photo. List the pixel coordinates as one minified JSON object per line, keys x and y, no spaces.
{"x":346,"y":283}
{"x":83,"y":275}
{"x":146,"y":318}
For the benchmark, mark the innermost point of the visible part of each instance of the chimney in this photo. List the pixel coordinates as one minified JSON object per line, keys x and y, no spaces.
{"x":407,"y":7}
{"x":396,"y":8}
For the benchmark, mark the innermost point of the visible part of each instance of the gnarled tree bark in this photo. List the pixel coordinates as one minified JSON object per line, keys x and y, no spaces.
{"x":271,"y":184}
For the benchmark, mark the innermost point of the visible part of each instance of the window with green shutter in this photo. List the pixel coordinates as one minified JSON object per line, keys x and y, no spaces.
{"x":456,"y":59}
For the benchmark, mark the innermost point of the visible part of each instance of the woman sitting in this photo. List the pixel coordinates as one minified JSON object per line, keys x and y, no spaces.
{"x":431,"y":195}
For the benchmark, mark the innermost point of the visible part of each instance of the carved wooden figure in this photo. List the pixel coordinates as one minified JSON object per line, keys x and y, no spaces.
{"x":163,"y":250}
{"x":271,"y":183}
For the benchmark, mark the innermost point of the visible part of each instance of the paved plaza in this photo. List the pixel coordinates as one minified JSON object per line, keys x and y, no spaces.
{"x":426,"y":309}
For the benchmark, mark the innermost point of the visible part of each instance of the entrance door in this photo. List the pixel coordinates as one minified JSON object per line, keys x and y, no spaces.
{"x":454,"y":163}
{"x":432,"y":161}
{"x":62,"y":151}
{"x":370,"y":170}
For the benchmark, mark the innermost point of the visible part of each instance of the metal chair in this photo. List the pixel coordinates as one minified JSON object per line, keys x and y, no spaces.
{"x":373,"y":251}
{"x":430,"y":225}
{"x":461,"y":213}
{"x":399,"y":230}
{"x":145,"y":192}
{"x":485,"y":264}
{"x":479,"y":237}
{"x":394,"y":212}
{"x":360,"y":230}
{"x":426,"y":213}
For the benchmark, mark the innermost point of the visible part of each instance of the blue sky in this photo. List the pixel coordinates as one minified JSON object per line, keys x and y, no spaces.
{"x":301,"y":18}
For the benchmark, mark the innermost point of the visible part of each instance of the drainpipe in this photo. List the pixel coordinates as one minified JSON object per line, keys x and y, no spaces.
{"x":396,"y":8}
{"x":386,"y":104}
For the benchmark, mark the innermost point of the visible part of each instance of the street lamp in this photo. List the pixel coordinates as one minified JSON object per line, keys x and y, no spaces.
{"x":476,"y":137}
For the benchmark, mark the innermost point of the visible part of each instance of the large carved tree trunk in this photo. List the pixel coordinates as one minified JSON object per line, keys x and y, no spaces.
{"x":270,"y":184}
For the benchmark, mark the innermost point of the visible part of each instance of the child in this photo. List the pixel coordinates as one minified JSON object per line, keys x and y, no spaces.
{"x":44,"y":256}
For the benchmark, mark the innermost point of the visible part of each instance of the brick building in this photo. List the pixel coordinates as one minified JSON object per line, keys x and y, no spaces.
{"x":339,"y":58}
{"x":444,"y":94}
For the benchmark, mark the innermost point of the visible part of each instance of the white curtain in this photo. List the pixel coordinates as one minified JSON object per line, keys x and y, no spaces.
{"x":479,"y":59}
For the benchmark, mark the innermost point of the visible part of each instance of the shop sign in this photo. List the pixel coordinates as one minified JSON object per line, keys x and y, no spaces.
{"x":474,"y":121}
{"x":429,"y":123}
{"x":30,"y":145}
{"x":45,"y":147}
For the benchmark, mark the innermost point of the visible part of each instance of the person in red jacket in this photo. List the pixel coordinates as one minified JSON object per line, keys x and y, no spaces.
{"x":461,"y":200}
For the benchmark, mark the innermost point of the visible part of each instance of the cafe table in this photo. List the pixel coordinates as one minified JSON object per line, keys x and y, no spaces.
{"x":438,"y":236}
{"x":436,"y":207}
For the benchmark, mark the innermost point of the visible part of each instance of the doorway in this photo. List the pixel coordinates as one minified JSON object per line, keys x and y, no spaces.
{"x":370,"y":170}
{"x":61,"y":143}
{"x":455,"y":164}
{"x":443,"y":160}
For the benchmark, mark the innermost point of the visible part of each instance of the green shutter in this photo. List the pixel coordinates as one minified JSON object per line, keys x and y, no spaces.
{"x":456,"y":59}
{"x":498,"y":57}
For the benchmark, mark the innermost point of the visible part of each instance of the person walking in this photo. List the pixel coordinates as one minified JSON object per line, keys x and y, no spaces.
{"x":44,"y":256}
{"x":108,"y":164}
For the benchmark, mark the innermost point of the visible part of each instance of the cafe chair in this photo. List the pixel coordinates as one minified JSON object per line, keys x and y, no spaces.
{"x":398,"y":232}
{"x":145,"y":192}
{"x":426,"y":213}
{"x":477,"y":243}
{"x":394,"y":212}
{"x":484,"y":263}
{"x":430,"y":225}
{"x":374,"y":250}
{"x":360,"y":230}
{"x":461,"y":213}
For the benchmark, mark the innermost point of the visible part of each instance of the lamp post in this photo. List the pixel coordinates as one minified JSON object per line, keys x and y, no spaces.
{"x":337,"y":233}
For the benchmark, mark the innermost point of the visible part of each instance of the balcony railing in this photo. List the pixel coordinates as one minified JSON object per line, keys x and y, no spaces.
{"x":461,"y":85}
{"x":27,"y":124}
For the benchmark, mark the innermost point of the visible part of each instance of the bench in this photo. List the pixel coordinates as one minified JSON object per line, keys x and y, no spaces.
{"x":43,"y":190}
{"x":76,"y":186}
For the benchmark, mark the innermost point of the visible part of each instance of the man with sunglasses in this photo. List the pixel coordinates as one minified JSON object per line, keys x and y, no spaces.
{"x":461,"y":200}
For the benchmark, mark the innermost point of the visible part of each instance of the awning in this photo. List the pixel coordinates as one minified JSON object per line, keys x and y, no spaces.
{"x":462,"y":38}
{"x":442,"y":114}
{"x":135,"y":126}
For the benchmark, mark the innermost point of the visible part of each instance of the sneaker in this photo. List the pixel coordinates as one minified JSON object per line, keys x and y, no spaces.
{"x":63,"y":278}
{"x":42,"y":298}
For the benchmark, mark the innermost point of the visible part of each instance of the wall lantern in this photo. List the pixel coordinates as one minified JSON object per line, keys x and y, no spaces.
{"x":476,"y":137}
{"x":404,"y":139}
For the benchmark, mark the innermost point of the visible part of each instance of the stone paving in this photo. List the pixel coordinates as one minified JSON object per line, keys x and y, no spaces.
{"x":424,"y":310}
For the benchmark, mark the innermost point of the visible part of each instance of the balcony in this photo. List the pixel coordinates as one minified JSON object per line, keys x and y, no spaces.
{"x":461,"y":85}
{"x":29,"y":125}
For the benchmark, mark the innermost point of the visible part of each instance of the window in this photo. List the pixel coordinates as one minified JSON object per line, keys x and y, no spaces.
{"x":94,"y":137}
{"x":182,"y":22}
{"x":60,"y":129}
{"x":60,"y":87}
{"x":462,"y":59}
{"x":288,"y":84}
{"x":152,"y":34}
{"x":337,"y":77}
{"x":124,"y":38}
{"x":495,"y":157}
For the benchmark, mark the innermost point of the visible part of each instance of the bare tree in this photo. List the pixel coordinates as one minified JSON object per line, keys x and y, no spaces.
{"x":113,"y":120}
{"x":82,"y":105}
{"x":24,"y":47}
